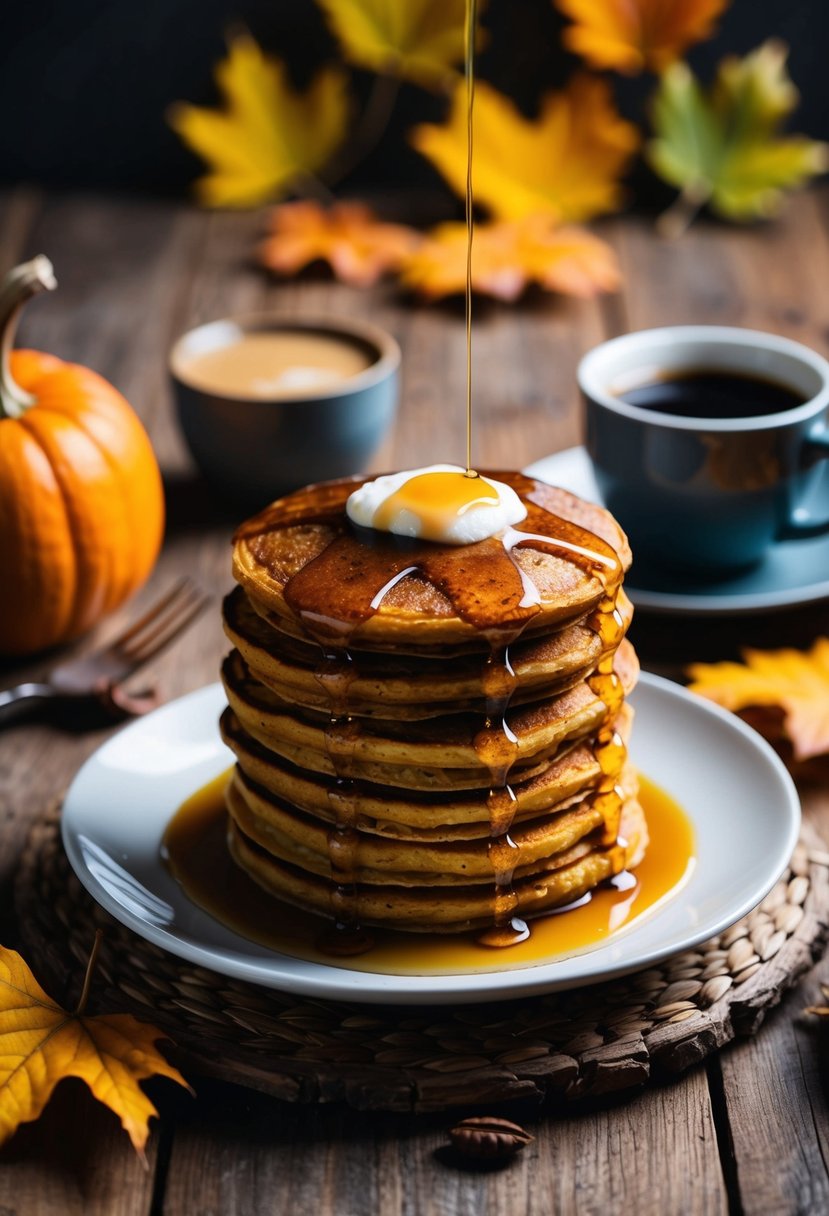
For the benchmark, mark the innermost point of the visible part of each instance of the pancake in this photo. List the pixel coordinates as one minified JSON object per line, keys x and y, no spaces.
{"x":405,"y":686}
{"x":567,"y":877}
{"x":397,"y":813}
{"x":386,"y":591}
{"x":428,"y":754}
{"x":301,"y":839}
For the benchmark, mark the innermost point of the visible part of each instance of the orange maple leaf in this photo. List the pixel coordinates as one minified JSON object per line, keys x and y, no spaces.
{"x":794,"y":681}
{"x":567,"y":162}
{"x":631,"y":35}
{"x":40,"y":1044}
{"x":358,"y":247}
{"x":507,"y":256}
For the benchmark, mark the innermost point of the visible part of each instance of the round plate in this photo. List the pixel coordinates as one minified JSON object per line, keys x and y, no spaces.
{"x":741,"y":800}
{"x":784,"y":579}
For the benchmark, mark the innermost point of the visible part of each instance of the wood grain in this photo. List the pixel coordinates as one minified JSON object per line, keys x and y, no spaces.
{"x":133,"y":274}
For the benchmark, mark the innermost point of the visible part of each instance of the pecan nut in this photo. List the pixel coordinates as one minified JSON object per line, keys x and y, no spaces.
{"x":486,"y":1138}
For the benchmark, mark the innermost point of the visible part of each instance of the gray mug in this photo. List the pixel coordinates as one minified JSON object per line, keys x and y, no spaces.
{"x":254,"y":448}
{"x":709,"y":495}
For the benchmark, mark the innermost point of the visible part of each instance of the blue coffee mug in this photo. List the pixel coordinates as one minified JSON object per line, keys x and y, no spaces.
{"x":706,"y":494}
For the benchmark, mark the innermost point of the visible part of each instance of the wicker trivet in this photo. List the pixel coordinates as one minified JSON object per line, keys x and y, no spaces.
{"x":591,"y":1041}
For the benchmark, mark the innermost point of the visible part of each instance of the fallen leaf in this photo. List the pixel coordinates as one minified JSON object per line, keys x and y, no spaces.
{"x":568,"y":259}
{"x":40,"y":1044}
{"x":507,"y":256}
{"x":632,"y":35}
{"x":795,"y":681}
{"x":437,"y":268}
{"x":567,"y":162}
{"x":722,"y":146}
{"x":418,"y":40}
{"x":358,"y":246}
{"x":268,"y":136}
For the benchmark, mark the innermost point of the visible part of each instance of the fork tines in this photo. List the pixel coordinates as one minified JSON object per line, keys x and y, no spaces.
{"x":163,"y":622}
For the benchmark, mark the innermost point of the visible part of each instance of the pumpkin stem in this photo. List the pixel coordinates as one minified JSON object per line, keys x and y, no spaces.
{"x":17,"y":287}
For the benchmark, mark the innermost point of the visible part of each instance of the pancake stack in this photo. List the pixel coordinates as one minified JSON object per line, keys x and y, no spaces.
{"x":430,"y":737}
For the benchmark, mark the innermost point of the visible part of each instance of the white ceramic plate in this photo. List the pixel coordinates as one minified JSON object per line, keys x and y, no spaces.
{"x":794,"y":572}
{"x":739,"y":796}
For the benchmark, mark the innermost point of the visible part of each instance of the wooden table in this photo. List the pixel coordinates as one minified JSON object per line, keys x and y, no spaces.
{"x":750,"y":1132}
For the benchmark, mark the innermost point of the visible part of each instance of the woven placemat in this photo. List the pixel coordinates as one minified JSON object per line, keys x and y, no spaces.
{"x":592,"y":1041}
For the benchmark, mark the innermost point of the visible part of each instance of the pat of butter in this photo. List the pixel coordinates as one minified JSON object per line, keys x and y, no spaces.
{"x":441,"y":502}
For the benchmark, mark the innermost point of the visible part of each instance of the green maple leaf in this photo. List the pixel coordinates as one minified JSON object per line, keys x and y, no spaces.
{"x":723,"y":146}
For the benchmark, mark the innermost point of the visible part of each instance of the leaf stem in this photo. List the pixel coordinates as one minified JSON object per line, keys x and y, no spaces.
{"x":90,"y":971}
{"x":677,"y":219}
{"x":309,"y":186}
{"x":370,"y":129}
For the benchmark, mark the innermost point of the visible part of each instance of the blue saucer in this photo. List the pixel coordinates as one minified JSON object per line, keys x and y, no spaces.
{"x":793,"y":573}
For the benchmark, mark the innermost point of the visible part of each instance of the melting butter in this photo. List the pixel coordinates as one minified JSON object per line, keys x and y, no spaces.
{"x":441,"y":502}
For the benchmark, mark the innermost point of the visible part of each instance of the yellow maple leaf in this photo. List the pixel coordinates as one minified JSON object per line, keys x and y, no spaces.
{"x":795,"y":681}
{"x":632,"y":35}
{"x":567,"y":162}
{"x":40,"y":1044}
{"x":507,"y":256}
{"x":418,"y":40}
{"x":268,"y":135}
{"x":358,"y":246}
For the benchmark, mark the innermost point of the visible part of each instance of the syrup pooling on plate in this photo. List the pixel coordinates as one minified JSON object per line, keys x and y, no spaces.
{"x":346,"y":583}
{"x":195,"y":849}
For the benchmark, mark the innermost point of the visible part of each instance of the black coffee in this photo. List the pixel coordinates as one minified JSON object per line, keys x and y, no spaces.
{"x":713,"y":394}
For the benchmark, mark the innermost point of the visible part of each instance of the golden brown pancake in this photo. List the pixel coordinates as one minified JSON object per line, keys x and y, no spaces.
{"x":398,"y":813}
{"x":426,"y":754}
{"x":406,"y":686}
{"x":432,"y":605}
{"x":302,"y":840}
{"x":417,"y":909}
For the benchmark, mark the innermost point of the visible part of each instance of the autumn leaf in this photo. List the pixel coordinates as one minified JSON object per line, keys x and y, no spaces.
{"x":268,"y":136}
{"x":632,"y":35}
{"x":793,"y":681}
{"x":418,"y":40}
{"x":507,"y":256}
{"x":40,"y":1044}
{"x":722,"y":147}
{"x":358,"y":246}
{"x":567,"y":162}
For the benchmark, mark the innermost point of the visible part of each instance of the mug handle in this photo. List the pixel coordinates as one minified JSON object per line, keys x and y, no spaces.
{"x":815,"y":448}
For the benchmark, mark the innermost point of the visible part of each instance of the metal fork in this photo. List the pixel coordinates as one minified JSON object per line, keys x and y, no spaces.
{"x":97,"y":677}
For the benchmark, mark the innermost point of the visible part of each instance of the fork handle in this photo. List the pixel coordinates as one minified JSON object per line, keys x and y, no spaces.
{"x":15,"y":701}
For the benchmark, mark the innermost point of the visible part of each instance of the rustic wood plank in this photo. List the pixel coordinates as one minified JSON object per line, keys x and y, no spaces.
{"x":655,"y":1154}
{"x":258,"y":1156}
{"x":774,"y":1093}
{"x":774,"y":1120}
{"x":765,"y":276}
{"x":75,"y":1161}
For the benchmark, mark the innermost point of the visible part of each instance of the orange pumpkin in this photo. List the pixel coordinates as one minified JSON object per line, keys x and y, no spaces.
{"x":81,"y":499}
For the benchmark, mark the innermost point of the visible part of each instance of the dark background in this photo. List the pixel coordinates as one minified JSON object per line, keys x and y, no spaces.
{"x":84,"y":85}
